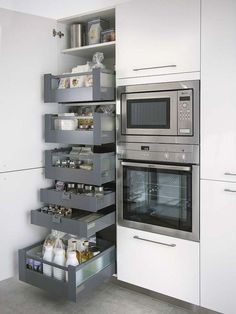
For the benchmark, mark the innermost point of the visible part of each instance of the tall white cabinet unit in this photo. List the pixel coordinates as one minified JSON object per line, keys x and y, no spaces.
{"x":218,"y":152}
{"x":157,"y":38}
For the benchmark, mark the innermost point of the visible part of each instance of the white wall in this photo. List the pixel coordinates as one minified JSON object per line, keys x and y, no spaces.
{"x":57,"y":8}
{"x":27,"y":50}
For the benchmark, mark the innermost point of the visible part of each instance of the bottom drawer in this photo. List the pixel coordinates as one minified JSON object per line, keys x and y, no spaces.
{"x":81,"y":279}
{"x":163,"y":264}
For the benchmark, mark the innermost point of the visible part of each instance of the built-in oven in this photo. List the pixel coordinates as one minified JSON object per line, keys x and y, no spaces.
{"x":156,"y":196}
{"x":163,"y":113}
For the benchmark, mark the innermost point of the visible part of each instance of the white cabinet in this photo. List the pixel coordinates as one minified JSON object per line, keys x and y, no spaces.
{"x":157,"y":37}
{"x":218,"y":246}
{"x":170,"y":270}
{"x":27,"y":51}
{"x":218,"y":97}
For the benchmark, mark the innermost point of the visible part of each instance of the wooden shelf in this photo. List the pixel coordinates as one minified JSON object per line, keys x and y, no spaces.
{"x":88,"y":51}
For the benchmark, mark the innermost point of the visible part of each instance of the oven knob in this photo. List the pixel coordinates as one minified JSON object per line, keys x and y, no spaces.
{"x":183,"y":157}
{"x":166,"y":155}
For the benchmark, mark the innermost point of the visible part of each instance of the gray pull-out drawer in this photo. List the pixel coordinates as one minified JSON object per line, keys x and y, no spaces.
{"x":81,"y":279}
{"x":82,"y":224}
{"x":79,"y":201}
{"x":102,"y":133}
{"x":102,"y":88}
{"x":103,"y":170}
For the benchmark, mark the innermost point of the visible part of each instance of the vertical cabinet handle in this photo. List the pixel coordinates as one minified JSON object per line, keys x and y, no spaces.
{"x":161,"y":243}
{"x":157,"y":67}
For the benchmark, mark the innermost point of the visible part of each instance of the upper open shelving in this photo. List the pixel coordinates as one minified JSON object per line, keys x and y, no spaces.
{"x":107,"y":48}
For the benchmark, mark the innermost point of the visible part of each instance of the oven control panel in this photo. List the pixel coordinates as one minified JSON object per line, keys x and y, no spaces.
{"x":185,"y":112}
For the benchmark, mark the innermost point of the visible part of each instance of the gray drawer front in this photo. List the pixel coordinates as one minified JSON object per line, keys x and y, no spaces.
{"x":70,"y":289}
{"x":93,"y":177}
{"x":82,"y":94}
{"x":97,"y":136}
{"x":66,"y":199}
{"x":72,"y":226}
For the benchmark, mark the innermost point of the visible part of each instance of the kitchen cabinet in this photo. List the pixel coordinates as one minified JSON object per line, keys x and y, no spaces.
{"x":218,"y":98}
{"x":94,"y":215}
{"x":157,"y":37}
{"x":170,"y":270}
{"x":218,"y":243}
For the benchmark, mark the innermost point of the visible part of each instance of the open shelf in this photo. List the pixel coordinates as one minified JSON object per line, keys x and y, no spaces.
{"x":107,"y":48}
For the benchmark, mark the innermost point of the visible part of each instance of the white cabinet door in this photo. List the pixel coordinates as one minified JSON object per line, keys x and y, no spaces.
{"x":27,"y":51}
{"x":218,"y":97}
{"x":157,"y":37}
{"x":173,"y":271}
{"x":218,"y":246}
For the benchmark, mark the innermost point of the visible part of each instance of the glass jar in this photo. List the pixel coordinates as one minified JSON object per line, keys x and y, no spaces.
{"x":99,"y":191}
{"x":88,"y":190}
{"x":80,"y":188}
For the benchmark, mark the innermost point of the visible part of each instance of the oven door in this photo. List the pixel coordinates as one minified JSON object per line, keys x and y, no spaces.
{"x":151,"y":113}
{"x":159,"y":198}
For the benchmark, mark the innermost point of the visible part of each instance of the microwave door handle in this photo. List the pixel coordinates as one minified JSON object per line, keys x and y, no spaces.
{"x":154,"y":166}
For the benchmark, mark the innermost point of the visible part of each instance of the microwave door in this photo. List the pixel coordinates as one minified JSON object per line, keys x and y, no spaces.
{"x":152,"y":113}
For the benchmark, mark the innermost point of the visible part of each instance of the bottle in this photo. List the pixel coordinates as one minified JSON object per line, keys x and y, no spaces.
{"x":85,"y":254}
{"x":59,"y":259}
{"x":48,"y":256}
{"x":71,"y":260}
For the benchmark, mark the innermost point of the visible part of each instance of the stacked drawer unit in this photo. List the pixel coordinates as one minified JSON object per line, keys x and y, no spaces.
{"x":101,"y":138}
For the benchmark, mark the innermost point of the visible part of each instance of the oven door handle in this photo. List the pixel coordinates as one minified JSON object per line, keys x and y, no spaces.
{"x":156,"y":242}
{"x":165,"y":167}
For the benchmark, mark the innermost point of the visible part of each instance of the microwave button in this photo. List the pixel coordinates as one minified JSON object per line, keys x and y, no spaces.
{"x":184,"y":105}
{"x":184,"y":131}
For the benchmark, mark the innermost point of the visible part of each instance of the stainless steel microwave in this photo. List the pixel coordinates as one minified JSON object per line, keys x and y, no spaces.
{"x":159,"y":113}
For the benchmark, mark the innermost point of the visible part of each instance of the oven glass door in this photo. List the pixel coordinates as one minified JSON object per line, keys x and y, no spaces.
{"x":158,"y":196}
{"x":149,"y":113}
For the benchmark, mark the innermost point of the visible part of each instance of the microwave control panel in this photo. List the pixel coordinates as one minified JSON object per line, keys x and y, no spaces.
{"x":185,"y":112}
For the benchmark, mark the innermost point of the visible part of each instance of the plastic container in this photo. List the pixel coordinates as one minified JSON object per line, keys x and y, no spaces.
{"x":59,"y":259}
{"x":71,"y":260}
{"x":95,"y":27}
{"x":48,"y":256}
{"x":108,"y":35}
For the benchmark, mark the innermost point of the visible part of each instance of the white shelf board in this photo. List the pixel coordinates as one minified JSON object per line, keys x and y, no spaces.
{"x":107,"y":48}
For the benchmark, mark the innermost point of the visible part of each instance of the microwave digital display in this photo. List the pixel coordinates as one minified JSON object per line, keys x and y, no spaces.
{"x":148,"y":113}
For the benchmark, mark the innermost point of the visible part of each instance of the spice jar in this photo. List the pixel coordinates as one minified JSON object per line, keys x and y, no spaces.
{"x":80,"y":188}
{"x":71,"y":187}
{"x":99,"y":191}
{"x":88,"y":190}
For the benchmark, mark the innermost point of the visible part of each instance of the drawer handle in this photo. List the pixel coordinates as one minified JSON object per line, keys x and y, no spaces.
{"x":161,"y":243}
{"x":229,"y":190}
{"x":157,"y":67}
{"x":230,"y":174}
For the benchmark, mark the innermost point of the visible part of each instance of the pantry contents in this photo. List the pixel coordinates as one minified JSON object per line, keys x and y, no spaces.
{"x":66,"y":121}
{"x":76,"y":35}
{"x":56,"y":210}
{"x":83,"y":73}
{"x":108,"y":35}
{"x":77,"y":158}
{"x":80,"y":188}
{"x":97,"y":31}
{"x":64,"y":250}
{"x":95,"y":27}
